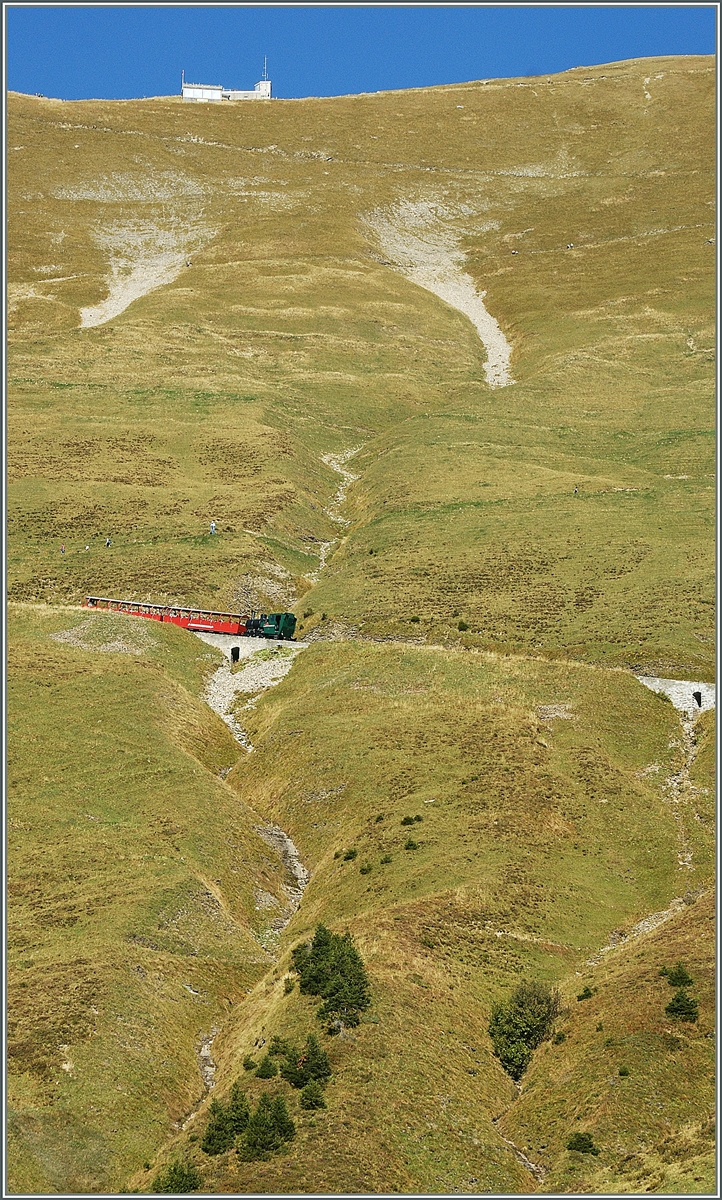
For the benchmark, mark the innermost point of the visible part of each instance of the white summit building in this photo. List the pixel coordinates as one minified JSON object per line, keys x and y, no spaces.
{"x":213,"y":93}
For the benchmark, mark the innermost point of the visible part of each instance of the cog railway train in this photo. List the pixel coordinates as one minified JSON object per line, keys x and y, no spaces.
{"x":281,"y":626}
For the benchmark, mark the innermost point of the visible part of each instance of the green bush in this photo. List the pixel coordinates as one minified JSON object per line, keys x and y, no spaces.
{"x":365,"y":869}
{"x":380,"y":817}
{"x":225,"y":1121}
{"x":462,"y":626}
{"x":279,"y":1045}
{"x":679,"y":976}
{"x":330,"y":966}
{"x":177,"y":1178}
{"x":410,"y":844}
{"x":418,"y":817}
{"x":586,"y":993}
{"x":249,"y":1064}
{"x":583,"y":1143}
{"x":266,"y":1068}
{"x":407,"y":820}
{"x":521,"y":1023}
{"x":268,"y":1128}
{"x":624,"y":1071}
{"x":312,"y":1095}
{"x":683,"y":1007}
{"x":311,"y":1063}
{"x":350,"y":854}
{"x":559,"y":1038}
{"x":415,"y":620}
{"x":386,"y":859}
{"x":288,"y":985}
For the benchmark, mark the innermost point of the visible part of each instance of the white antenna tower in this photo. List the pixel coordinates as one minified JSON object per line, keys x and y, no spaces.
{"x":265,"y":72}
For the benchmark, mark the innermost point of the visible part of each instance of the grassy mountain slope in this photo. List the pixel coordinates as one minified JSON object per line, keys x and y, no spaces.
{"x":132,"y":874}
{"x":272,"y":329}
{"x":540,"y":838}
{"x":288,"y":337}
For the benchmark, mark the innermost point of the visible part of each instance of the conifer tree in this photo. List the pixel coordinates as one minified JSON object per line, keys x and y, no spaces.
{"x":268,"y":1128}
{"x":260,"y":1137}
{"x":266,"y":1068}
{"x":679,"y":976}
{"x":312,"y":1095}
{"x":219,"y":1135}
{"x":682,"y":1006}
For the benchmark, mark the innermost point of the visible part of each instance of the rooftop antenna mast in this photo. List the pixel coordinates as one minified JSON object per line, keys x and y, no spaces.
{"x":265,"y":72}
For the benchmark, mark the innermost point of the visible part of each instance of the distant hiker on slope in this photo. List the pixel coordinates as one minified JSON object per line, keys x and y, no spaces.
{"x":213,"y":527}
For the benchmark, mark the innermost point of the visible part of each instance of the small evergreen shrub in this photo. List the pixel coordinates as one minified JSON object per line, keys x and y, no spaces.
{"x":683,"y":1007}
{"x":312,"y":1095}
{"x":380,"y":817}
{"x":559,"y":1037}
{"x":462,"y":626}
{"x":600,"y":1027}
{"x":410,"y":844}
{"x":679,"y":977}
{"x":583,"y":1143}
{"x":415,"y":620}
{"x":249,"y":1064}
{"x":407,"y":820}
{"x":350,"y":855}
{"x":279,"y":1045}
{"x":267,"y":1129}
{"x":266,"y":1068}
{"x":177,"y":1178}
{"x":337,"y":854}
{"x":521,"y":1023}
{"x":311,"y":1063}
{"x":418,"y":817}
{"x":288,"y":985}
{"x":624,"y":1071}
{"x":330,"y":966}
{"x":386,"y":859}
{"x":365,"y":869}
{"x":586,"y":993}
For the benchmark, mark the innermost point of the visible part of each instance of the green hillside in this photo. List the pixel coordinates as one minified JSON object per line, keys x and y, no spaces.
{"x":478,"y":601}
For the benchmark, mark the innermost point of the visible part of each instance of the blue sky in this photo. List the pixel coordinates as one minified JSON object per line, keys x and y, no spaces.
{"x":122,"y":51}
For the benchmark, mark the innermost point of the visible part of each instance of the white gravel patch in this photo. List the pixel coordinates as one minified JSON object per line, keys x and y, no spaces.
{"x":143,"y":256}
{"x":424,"y":247}
{"x":680,"y":692}
{"x":256,"y":676}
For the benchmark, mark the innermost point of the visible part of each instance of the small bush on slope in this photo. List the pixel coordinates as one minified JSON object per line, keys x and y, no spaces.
{"x":177,"y":1178}
{"x":312,"y":1095}
{"x":311,"y":1063}
{"x":521,"y":1023}
{"x":682,"y":1006}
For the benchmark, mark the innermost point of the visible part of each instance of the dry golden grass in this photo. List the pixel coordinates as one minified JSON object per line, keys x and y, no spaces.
{"x":214,"y":396}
